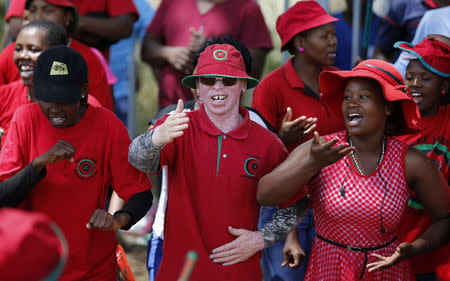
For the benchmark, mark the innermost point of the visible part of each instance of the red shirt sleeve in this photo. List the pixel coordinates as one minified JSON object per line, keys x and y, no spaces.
{"x":8,"y":69}
{"x":15,"y":9}
{"x":266,"y":103}
{"x":254,"y":32}
{"x":13,"y":157}
{"x":120,"y":7}
{"x":126,"y":179}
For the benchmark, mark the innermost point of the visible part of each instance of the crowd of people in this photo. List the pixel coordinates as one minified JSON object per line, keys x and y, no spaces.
{"x":338,"y":170}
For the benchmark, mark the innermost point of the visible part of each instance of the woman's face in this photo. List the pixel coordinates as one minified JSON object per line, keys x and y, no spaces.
{"x":320,"y":44}
{"x":41,"y":10}
{"x":61,"y":115}
{"x":364,"y":108}
{"x":425,"y":87}
{"x":30,"y":43}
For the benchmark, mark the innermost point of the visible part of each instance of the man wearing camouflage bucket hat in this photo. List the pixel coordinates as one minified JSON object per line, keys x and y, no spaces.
{"x":217,"y":155}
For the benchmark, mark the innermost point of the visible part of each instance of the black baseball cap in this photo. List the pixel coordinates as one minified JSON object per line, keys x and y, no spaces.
{"x":59,"y":75}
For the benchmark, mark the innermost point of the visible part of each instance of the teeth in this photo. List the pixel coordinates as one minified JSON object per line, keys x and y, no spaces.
{"x":415,"y":95}
{"x":217,"y":98}
{"x":57,"y":120}
{"x":25,"y":67}
{"x":353,"y":115}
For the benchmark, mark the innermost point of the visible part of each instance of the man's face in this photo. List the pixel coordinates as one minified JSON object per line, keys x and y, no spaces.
{"x":218,"y":99}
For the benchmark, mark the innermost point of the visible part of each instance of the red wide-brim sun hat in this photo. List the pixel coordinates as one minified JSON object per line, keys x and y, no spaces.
{"x":221,"y":60}
{"x":332,"y":84}
{"x":434,"y":55}
{"x":302,"y":16}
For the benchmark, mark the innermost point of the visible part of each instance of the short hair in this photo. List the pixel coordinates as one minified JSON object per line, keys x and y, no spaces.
{"x":290,"y":47}
{"x":54,"y":33}
{"x":230,"y":41}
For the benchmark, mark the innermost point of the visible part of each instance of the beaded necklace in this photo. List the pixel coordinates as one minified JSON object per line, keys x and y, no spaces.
{"x":355,"y":160}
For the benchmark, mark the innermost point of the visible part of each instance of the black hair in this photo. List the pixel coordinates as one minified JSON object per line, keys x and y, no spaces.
{"x":290,"y":46}
{"x":54,"y":33}
{"x":231,"y":41}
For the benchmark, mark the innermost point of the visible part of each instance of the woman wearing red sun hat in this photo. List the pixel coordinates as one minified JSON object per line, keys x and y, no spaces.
{"x":427,"y":77}
{"x":360,"y":180}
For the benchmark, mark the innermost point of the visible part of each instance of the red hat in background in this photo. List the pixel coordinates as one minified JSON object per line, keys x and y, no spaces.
{"x":221,"y":60}
{"x":332,"y":84}
{"x":31,"y":248}
{"x":433,"y":54}
{"x":302,"y":16}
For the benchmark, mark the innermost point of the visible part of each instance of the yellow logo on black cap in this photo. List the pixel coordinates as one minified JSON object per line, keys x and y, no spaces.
{"x":59,"y":68}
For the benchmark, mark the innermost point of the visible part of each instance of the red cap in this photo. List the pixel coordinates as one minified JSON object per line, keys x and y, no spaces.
{"x":434,"y":55}
{"x":30,"y":247}
{"x":332,"y":84}
{"x":302,"y":16}
{"x":221,"y":60}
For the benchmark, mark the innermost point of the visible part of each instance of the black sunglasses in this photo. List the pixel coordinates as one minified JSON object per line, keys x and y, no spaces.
{"x":211,"y":81}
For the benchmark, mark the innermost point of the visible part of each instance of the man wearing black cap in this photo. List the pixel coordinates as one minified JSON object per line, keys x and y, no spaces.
{"x":74,"y":192}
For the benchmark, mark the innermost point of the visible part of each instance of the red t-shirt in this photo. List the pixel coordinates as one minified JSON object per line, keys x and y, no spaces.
{"x":13,"y":96}
{"x":434,"y":140}
{"x":242,"y":19}
{"x":214,"y":184}
{"x":73,"y":190}
{"x":98,"y":85}
{"x":283,"y":88}
{"x":112,"y":7}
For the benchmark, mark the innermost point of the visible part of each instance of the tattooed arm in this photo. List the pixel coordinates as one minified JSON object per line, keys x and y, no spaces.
{"x":283,"y":221}
{"x":144,"y":154}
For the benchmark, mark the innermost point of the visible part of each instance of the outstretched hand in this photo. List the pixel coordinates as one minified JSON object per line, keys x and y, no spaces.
{"x":323,"y":153}
{"x":62,"y":150}
{"x":240,"y":249}
{"x":403,"y":251}
{"x":294,"y":130}
{"x":173,"y":127}
{"x":103,"y":220}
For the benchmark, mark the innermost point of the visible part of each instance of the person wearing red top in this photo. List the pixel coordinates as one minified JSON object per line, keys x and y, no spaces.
{"x":179,"y":28}
{"x":427,"y":76}
{"x":99,"y":21}
{"x":74,"y":192}
{"x":289,"y":99}
{"x":360,"y":180}
{"x":64,"y":13}
{"x":216,"y":155}
{"x":32,"y":40}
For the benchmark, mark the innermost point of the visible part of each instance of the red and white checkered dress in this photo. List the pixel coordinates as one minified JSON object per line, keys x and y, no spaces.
{"x":355,"y":219}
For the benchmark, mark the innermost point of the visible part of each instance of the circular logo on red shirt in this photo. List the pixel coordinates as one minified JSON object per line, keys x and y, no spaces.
{"x":251,"y":166}
{"x":85,"y":168}
{"x":220,"y":54}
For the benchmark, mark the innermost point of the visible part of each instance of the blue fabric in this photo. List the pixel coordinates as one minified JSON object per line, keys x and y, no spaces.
{"x":344,"y":38}
{"x":272,"y":256}
{"x":121,"y":109}
{"x":122,"y":61}
{"x":154,"y":255}
{"x":404,"y":16}
{"x":435,"y":21}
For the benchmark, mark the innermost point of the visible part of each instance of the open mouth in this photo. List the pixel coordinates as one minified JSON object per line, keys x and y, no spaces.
{"x":57,"y":121}
{"x":417,"y":97}
{"x":26,"y":70}
{"x":354,"y":119}
{"x":218,"y":98}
